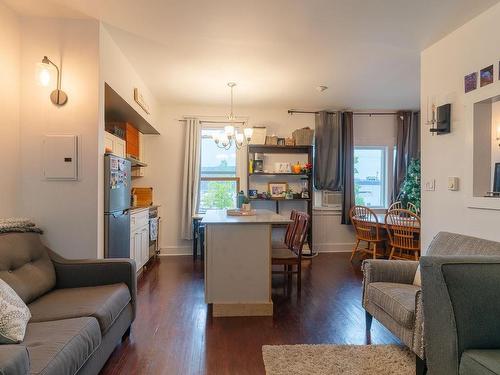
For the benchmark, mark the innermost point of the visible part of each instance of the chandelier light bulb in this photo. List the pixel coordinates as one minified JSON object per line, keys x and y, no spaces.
{"x":229,"y":131}
{"x":248,"y":133}
{"x":239,"y":138}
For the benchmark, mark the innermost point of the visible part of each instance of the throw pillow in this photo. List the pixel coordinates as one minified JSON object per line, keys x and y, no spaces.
{"x":418,"y":278}
{"x":14,"y":315}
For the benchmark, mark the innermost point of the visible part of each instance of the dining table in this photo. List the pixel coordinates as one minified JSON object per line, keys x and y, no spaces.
{"x":381,"y":221}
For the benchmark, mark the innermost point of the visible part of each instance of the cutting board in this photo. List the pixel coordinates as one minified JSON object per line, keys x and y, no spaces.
{"x":144,"y":195}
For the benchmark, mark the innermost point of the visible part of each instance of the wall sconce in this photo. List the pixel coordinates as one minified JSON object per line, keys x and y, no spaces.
{"x":58,"y":97}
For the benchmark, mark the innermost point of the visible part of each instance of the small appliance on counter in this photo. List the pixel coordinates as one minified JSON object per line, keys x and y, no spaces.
{"x":117,"y":188}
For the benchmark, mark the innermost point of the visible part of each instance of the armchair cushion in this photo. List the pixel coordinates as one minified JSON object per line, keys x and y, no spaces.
{"x":63,"y":346}
{"x":397,"y":300}
{"x":480,"y":362}
{"x":390,"y":271}
{"x":105,"y":303}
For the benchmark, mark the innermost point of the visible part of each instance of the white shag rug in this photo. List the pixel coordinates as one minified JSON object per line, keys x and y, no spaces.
{"x":338,"y":359}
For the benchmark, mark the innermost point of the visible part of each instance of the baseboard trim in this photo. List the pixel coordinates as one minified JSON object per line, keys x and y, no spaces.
{"x":333,"y":247}
{"x":176,"y":250}
{"x":242,"y":309}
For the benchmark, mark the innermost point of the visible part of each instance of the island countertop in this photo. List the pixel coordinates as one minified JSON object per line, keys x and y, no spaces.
{"x":261,"y":217}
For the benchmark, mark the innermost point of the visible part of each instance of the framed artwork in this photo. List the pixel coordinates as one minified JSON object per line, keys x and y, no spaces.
{"x":470,"y":82}
{"x":277,"y":189}
{"x":486,"y":75}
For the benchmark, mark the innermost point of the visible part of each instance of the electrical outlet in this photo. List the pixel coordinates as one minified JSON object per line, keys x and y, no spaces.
{"x":430,"y":185}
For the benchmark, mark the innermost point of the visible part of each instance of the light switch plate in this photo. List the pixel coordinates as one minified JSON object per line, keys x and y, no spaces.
{"x":453,"y":183}
{"x":430,"y":185}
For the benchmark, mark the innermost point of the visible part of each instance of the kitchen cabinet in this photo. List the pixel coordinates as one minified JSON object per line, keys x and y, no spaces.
{"x":139,"y":237}
{"x":114,"y":145}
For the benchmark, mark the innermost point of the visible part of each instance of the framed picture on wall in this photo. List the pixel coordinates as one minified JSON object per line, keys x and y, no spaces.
{"x":470,"y":82}
{"x":486,"y":75}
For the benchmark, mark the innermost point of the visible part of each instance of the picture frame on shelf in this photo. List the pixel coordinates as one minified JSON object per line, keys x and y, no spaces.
{"x":277,"y":189}
{"x":282,"y":167}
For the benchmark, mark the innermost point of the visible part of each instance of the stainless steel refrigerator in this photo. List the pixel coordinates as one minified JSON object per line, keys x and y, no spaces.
{"x":117,"y":190}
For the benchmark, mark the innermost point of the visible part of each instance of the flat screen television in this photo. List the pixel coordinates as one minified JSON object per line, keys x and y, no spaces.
{"x":496,"y":179}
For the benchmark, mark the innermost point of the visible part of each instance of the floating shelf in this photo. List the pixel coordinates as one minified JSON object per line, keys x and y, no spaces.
{"x":279,"y":199}
{"x":274,"y":149}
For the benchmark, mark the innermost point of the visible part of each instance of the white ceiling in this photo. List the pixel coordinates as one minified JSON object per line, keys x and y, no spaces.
{"x":366,"y":51}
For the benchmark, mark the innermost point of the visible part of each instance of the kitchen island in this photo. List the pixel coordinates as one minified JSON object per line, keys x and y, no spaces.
{"x":238,"y":262}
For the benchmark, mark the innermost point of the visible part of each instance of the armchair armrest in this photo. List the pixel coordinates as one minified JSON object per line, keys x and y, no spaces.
{"x":461,"y":308}
{"x":94,"y":272}
{"x":14,"y":360}
{"x":389,"y":271}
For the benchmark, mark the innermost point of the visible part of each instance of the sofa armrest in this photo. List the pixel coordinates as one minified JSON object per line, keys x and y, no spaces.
{"x":461,"y":308}
{"x":94,"y":272}
{"x":14,"y":360}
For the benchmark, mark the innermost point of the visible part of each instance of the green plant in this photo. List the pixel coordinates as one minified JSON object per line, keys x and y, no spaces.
{"x":410,"y":188}
{"x":246,"y":200}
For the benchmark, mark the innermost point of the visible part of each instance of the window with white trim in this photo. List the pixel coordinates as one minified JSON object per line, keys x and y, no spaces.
{"x":371,"y":176}
{"x":219,"y":181}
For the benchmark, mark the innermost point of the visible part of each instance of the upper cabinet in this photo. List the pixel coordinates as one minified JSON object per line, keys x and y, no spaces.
{"x":114,"y":145}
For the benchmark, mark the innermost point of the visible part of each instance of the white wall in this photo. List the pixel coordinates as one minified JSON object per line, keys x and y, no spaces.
{"x":10,"y":56}
{"x":116,"y":70}
{"x":67,"y":211}
{"x":443,"y":67}
{"x":165,"y":158}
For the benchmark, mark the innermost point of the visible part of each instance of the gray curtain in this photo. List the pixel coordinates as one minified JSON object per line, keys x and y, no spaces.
{"x":191,"y":176}
{"x":328,"y":151}
{"x":347,"y":166}
{"x":407,"y":146}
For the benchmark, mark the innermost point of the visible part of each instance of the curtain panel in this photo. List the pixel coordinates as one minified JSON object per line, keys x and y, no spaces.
{"x":191,"y":176}
{"x":348,"y":200}
{"x":407,"y":146}
{"x":328,"y":151}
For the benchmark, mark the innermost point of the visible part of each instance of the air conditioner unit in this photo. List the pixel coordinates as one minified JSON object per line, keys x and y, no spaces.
{"x":332,"y":199}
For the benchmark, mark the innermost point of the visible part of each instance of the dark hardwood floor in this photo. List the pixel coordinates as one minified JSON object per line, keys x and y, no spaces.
{"x":174,"y":332}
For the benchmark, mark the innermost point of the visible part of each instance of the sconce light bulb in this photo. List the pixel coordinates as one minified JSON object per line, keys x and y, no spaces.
{"x":44,"y":77}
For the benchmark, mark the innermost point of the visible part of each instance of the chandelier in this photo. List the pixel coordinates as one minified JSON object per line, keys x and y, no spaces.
{"x":231,"y":135}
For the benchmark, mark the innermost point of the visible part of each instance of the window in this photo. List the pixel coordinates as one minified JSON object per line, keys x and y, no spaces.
{"x":219,"y":183}
{"x":370,"y":177}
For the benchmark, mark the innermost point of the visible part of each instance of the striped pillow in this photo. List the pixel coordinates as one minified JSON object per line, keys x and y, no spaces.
{"x":14,"y":315}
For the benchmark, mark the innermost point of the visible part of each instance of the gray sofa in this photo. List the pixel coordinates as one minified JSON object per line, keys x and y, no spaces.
{"x":80,"y":308}
{"x":462,"y":312}
{"x":390,"y":296}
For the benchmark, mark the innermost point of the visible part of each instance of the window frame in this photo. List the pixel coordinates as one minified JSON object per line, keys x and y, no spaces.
{"x":384,"y":178}
{"x":237,"y":178}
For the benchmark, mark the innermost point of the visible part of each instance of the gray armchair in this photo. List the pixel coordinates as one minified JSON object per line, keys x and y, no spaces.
{"x":390,"y":296}
{"x":462,"y":314}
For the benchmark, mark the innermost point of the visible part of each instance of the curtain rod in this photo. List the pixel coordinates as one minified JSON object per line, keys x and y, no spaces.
{"x":216,"y":122}
{"x":292,"y":111}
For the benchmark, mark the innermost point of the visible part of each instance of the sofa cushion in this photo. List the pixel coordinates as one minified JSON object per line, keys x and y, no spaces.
{"x":480,"y":362}
{"x":14,"y":315}
{"x":446,"y":243}
{"x":104,"y":302}
{"x":62,"y":346}
{"x":25,"y":265}
{"x":14,"y":360}
{"x":397,"y":300}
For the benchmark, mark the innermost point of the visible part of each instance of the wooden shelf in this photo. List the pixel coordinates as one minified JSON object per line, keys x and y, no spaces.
{"x":279,"y":174}
{"x":274,"y":149}
{"x":279,"y":199}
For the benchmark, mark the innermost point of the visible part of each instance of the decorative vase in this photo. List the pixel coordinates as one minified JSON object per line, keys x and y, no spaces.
{"x":246,"y":207}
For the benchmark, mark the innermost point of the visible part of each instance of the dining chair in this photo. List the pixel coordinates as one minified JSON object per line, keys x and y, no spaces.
{"x":395,"y":206}
{"x":411,"y":207}
{"x":368,"y":230}
{"x":292,"y":255}
{"x":403,"y":227}
{"x":285,"y":244}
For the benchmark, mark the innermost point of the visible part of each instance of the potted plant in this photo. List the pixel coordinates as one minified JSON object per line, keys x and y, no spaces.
{"x":246,"y":204}
{"x":289,"y":193}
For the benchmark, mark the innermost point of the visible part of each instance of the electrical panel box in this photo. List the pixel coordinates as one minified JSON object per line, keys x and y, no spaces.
{"x":60,"y":157}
